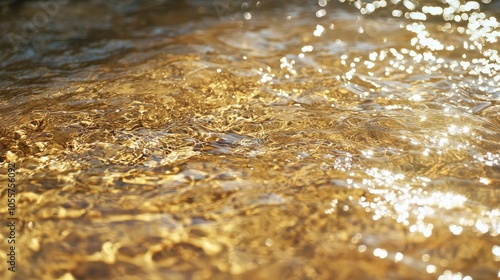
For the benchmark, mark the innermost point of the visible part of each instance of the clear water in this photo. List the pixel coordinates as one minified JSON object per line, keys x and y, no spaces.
{"x":270,"y":140}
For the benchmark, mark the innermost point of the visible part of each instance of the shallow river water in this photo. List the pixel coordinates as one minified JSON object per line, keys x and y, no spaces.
{"x":250,"y":140}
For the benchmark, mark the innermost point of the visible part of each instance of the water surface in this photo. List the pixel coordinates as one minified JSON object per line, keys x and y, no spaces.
{"x":183,"y":140}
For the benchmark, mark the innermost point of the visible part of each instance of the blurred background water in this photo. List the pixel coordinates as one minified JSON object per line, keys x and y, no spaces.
{"x":252,"y":139}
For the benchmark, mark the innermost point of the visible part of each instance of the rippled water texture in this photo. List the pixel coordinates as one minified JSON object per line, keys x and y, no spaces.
{"x":213,"y":140}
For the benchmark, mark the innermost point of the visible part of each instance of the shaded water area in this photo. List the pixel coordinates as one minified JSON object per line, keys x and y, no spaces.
{"x":269,"y":140}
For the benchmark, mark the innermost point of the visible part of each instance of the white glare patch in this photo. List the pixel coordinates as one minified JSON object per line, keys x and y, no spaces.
{"x":266,"y":78}
{"x":333,"y":205}
{"x":469,"y":6}
{"x":456,"y":230}
{"x":398,"y":257}
{"x":435,"y":11}
{"x":362,"y":248}
{"x":448,"y":275}
{"x":307,"y":48}
{"x":367,"y":154}
{"x":431,"y":269}
{"x":397,"y":13}
{"x":485,"y":181}
{"x":418,"y":16}
{"x":321,"y":13}
{"x":248,"y":16}
{"x":322,"y":3}
{"x":381,"y":253}
{"x":288,"y":65}
{"x":319,"y":30}
{"x":409,"y":5}
{"x":453,"y":129}
{"x":427,"y":231}
{"x":496,"y":251}
{"x":482,"y":227}
{"x":368,"y":9}
{"x":447,"y":200}
{"x":416,"y":97}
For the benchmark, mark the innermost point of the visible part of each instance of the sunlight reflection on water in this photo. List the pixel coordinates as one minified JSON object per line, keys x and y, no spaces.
{"x":178,"y":140}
